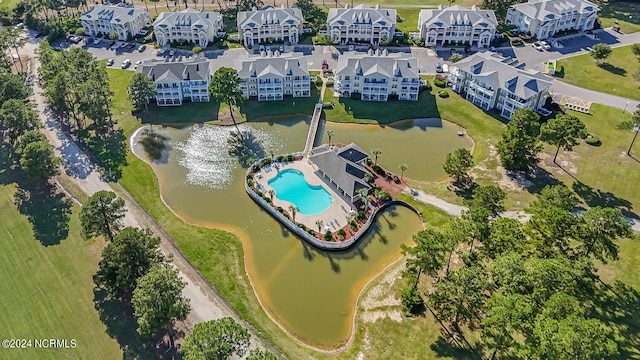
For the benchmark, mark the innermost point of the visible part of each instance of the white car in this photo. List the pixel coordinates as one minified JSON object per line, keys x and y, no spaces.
{"x":545,"y":45}
{"x":537,"y":46}
{"x":137,"y":64}
{"x":97,"y":41}
{"x":172,"y":52}
{"x":126,"y":63}
{"x":110,"y":62}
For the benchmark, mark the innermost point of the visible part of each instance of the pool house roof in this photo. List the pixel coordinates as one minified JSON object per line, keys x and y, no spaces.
{"x":342,"y":167}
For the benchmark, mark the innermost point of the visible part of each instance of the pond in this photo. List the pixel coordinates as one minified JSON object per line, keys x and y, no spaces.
{"x":309,"y":292}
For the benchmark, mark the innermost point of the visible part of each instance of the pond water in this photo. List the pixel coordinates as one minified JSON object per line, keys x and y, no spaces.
{"x":309,"y":292}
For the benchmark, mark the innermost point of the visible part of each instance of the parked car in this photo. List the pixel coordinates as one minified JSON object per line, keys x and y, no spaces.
{"x":97,"y":41}
{"x":545,"y":45}
{"x":325,"y":65}
{"x":267,"y":48}
{"x":438,"y":68}
{"x":281,"y":48}
{"x":137,"y":64}
{"x":537,"y":46}
{"x":110,"y":62}
{"x":172,"y":52}
{"x":142,"y":48}
{"x":126,"y":63}
{"x":261,"y":48}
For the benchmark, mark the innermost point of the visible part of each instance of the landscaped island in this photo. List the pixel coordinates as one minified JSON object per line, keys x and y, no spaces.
{"x":333,"y":190}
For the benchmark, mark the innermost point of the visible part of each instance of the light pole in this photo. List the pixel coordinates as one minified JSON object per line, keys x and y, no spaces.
{"x":625,"y":106}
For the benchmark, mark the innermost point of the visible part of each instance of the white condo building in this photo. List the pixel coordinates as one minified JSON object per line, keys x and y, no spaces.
{"x":189,"y":25}
{"x":176,"y":81}
{"x":361,"y":23}
{"x":271,"y":75}
{"x":121,"y":19}
{"x":377,"y":75}
{"x":544,"y":18}
{"x":269,"y":23}
{"x":457,"y":25}
{"x":488,"y":81}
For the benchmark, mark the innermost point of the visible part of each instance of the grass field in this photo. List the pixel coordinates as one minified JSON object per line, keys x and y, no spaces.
{"x":410,"y":23}
{"x":399,"y":3}
{"x":627,"y":13}
{"x":8,"y":4}
{"x":613,"y":76}
{"x":47,"y":287}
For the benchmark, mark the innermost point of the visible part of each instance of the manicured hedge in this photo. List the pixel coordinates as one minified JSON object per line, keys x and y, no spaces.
{"x":440,"y":83}
{"x":443,"y":94}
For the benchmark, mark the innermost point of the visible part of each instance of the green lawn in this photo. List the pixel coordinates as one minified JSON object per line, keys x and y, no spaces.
{"x":47,"y":269}
{"x":613,"y":76}
{"x":8,"y":4}
{"x":410,"y":23}
{"x":627,"y":13}
{"x":400,"y":3}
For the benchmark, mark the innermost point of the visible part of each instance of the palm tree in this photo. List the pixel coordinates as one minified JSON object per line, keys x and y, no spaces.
{"x":403,"y":168}
{"x":363,"y":192}
{"x":293,"y":210}
{"x":271,"y":193}
{"x":319,"y":223}
{"x":376,"y":153}
{"x":330,"y":134}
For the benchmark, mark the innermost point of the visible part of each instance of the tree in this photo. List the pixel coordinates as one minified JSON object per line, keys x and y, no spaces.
{"x":600,"y":52}
{"x":141,"y":91}
{"x":506,"y":235}
{"x":157,"y":300}
{"x":197,"y":50}
{"x":457,"y":165}
{"x":455,"y":57}
{"x":427,"y":256}
{"x":115,"y":35}
{"x":38,"y":160}
{"x":131,"y":254}
{"x":552,"y":230}
{"x":601,"y":227}
{"x":271,"y":192}
{"x":499,"y":6}
{"x":258,"y":354}
{"x":293,"y":210}
{"x":330,"y":134}
{"x":319,"y":224}
{"x":102,"y":215}
{"x":247,"y":5}
{"x":519,"y":146}
{"x":403,"y":168}
{"x":11,"y":87}
{"x":635,"y":48}
{"x":18,"y":117}
{"x":489,"y":197}
{"x":216,"y":340}
{"x":312,"y":14}
{"x":225,"y":87}
{"x":376,"y":153}
{"x":558,"y":196}
{"x":14,"y":38}
{"x":563,"y":132}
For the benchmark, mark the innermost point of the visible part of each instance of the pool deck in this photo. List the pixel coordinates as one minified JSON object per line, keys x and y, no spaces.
{"x":337,"y":211}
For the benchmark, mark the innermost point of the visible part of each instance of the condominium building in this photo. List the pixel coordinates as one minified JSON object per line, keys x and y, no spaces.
{"x":177,"y":81}
{"x":271,"y":75}
{"x":488,"y":81}
{"x":544,"y":18}
{"x":361,"y":23}
{"x":457,"y":25}
{"x":376,"y":75}
{"x":189,"y":25}
{"x":121,"y":19}
{"x":270,"y":23}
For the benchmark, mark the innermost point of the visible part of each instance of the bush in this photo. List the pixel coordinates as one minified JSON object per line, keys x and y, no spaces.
{"x":353,"y":225}
{"x":378,"y":170}
{"x":329,"y":83}
{"x":440,"y":83}
{"x":279,"y":158}
{"x":412,"y":302}
{"x":592,"y":140}
{"x":328,"y":236}
{"x":250,"y":183}
{"x":396,"y":179}
{"x":311,"y":232}
{"x":361,"y":215}
{"x":342,"y":233}
{"x":443,"y":94}
{"x":517,"y":43}
{"x":197,"y":50}
{"x":369,"y":161}
{"x":290,"y":158}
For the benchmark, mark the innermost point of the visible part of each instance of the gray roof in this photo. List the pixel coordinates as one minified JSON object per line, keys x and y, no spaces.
{"x":287,"y":64}
{"x":347,"y":174}
{"x":269,"y":15}
{"x":544,"y":10}
{"x":491,"y":69}
{"x":457,"y":15}
{"x":362,"y":14}
{"x":401,"y":65}
{"x":190,"y":17}
{"x":177,"y":71}
{"x":120,"y":13}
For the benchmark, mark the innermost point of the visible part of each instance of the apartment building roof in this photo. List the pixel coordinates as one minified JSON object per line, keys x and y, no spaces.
{"x":288,"y":64}
{"x":187,"y":17}
{"x":491,"y":69}
{"x":378,"y":62}
{"x":457,"y":16}
{"x":362,"y":14}
{"x":269,"y":15}
{"x":550,"y":9}
{"x":119,"y":14}
{"x":159,"y":70}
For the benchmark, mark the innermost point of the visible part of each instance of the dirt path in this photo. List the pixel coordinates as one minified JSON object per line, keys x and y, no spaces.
{"x":206,"y":303}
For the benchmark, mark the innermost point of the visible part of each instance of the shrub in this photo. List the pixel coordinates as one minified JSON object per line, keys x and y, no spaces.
{"x":328,"y":236}
{"x":369,"y":161}
{"x":342,"y":233}
{"x":361,"y":215}
{"x":279,"y":158}
{"x":396,"y":179}
{"x":329,"y":83}
{"x":443,"y":94}
{"x":250,"y":183}
{"x":378,"y":170}
{"x":197,"y":50}
{"x":440,"y":83}
{"x":412,"y":302}
{"x":290,"y":158}
{"x":353,"y":225}
{"x":311,"y":232}
{"x":592,"y":140}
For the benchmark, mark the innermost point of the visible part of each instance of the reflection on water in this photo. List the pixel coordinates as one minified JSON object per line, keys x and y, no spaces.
{"x":311,"y":293}
{"x":205,"y":154}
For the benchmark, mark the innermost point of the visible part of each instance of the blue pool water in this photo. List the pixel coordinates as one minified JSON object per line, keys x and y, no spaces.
{"x":291,"y":186}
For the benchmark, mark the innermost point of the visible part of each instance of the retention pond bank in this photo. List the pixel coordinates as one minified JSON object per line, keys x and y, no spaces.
{"x":311,"y":293}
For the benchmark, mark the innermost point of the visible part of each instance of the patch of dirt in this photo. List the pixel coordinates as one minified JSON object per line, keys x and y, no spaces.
{"x":566,"y":163}
{"x":373,"y":316}
{"x":379,"y":296}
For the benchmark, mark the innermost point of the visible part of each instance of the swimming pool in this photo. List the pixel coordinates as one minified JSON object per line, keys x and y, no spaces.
{"x":291,"y":186}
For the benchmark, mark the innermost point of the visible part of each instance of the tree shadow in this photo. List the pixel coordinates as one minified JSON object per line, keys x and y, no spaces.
{"x":596,"y":197}
{"x":246,"y":147}
{"x":111,"y":149}
{"x":154,"y":145}
{"x":47,"y":210}
{"x":449,"y":349}
{"x":121,"y":325}
{"x":533,"y":180}
{"x":613,"y":69}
